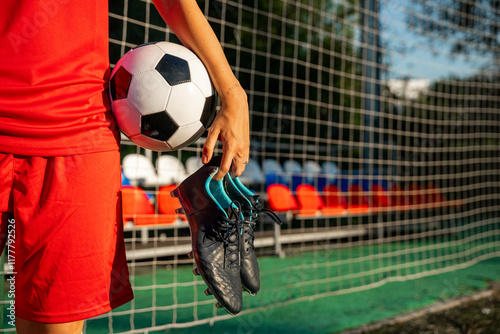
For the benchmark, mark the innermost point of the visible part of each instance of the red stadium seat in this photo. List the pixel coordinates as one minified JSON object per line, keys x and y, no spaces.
{"x":134,"y":202}
{"x":397,"y":196}
{"x":436,"y":199}
{"x":415,"y":195}
{"x":379,"y":198}
{"x":154,"y":219}
{"x":137,"y":208}
{"x":357,"y":201}
{"x":280,"y":198}
{"x":310,"y":202}
{"x":334,"y":203}
{"x":433,"y":195}
{"x":167,"y":204}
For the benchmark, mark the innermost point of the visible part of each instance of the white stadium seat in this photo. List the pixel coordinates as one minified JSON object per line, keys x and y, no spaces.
{"x":193,"y":164}
{"x":312,"y":170}
{"x":170,"y":170}
{"x":139,"y":170}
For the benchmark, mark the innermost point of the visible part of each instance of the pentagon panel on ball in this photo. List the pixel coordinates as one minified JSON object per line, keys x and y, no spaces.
{"x":162,"y":96}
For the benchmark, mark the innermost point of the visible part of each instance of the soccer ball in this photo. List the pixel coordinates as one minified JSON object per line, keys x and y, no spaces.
{"x":162,"y":96}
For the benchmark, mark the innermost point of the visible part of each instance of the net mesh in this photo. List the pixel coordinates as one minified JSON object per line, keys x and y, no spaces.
{"x":395,"y":105}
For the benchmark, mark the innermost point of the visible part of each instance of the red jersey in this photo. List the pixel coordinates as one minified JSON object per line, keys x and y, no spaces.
{"x":54,"y":68}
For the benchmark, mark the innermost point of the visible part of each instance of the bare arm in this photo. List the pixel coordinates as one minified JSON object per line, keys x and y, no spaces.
{"x":231,"y":126}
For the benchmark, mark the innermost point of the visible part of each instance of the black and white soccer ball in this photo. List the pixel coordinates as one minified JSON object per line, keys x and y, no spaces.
{"x":162,"y":96}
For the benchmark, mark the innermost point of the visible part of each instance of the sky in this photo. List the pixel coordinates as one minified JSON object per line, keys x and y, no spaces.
{"x":419,"y":61}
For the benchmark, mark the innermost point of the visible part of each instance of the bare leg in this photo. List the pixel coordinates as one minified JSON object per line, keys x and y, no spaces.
{"x":30,"y":327}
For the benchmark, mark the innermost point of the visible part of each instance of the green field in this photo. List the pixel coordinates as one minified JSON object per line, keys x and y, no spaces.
{"x":303,"y":293}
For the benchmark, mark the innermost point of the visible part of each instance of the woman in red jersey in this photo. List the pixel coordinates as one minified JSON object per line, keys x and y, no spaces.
{"x":59,"y":154}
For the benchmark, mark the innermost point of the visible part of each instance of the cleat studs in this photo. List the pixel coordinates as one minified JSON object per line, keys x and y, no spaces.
{"x":218,"y":305}
{"x":190,"y":255}
{"x":196,"y":272}
{"x":208,"y":292}
{"x":180,"y":211}
{"x":175,"y":192}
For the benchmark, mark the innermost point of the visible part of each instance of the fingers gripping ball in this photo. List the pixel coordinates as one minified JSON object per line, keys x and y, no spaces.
{"x":162,"y":96}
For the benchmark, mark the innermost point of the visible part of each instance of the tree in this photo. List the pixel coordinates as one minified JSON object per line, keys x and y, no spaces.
{"x":472,"y":26}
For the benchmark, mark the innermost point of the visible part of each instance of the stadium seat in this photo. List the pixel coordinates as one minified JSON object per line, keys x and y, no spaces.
{"x":345,"y":179}
{"x":193,"y":164}
{"x":273,"y":172}
{"x":135,"y":202}
{"x":330,"y":170}
{"x":139,"y":170}
{"x":333,"y":200}
{"x":167,"y":204}
{"x":310,"y":202}
{"x":280,"y":198}
{"x":313,"y":172}
{"x":293,"y":173}
{"x":415,"y":195}
{"x":357,"y":201}
{"x":137,"y":208}
{"x":433,"y":195}
{"x":436,"y":199}
{"x":253,"y":173}
{"x":154,"y":219}
{"x":379,"y":198}
{"x":398,"y":197}
{"x":125,"y":180}
{"x":170,"y":170}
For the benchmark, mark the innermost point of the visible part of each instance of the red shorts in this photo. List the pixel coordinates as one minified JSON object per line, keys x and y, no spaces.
{"x":69,"y":250}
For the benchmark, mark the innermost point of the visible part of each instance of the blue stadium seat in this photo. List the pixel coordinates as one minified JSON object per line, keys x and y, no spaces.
{"x":273,"y":172}
{"x":253,"y":173}
{"x":125,"y":180}
{"x":293,"y":173}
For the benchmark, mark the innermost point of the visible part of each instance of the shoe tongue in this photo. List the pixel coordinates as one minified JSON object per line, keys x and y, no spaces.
{"x":233,"y":213}
{"x":228,"y":212}
{"x":254,"y":199}
{"x":254,"y":202}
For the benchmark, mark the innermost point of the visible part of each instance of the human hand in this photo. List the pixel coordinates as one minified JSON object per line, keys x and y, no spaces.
{"x":231,"y":128}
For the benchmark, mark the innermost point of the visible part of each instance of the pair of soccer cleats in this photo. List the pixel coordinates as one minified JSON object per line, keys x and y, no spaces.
{"x":222,"y":216}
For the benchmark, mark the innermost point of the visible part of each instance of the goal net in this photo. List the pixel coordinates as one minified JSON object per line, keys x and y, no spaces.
{"x":375,"y":135}
{"x":395,"y":105}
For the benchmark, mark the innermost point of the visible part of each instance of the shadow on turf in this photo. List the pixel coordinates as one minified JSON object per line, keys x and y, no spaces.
{"x":472,"y":316}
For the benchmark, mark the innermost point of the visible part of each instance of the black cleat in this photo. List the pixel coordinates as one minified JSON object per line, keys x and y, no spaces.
{"x":215,"y":225}
{"x":249,"y":267}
